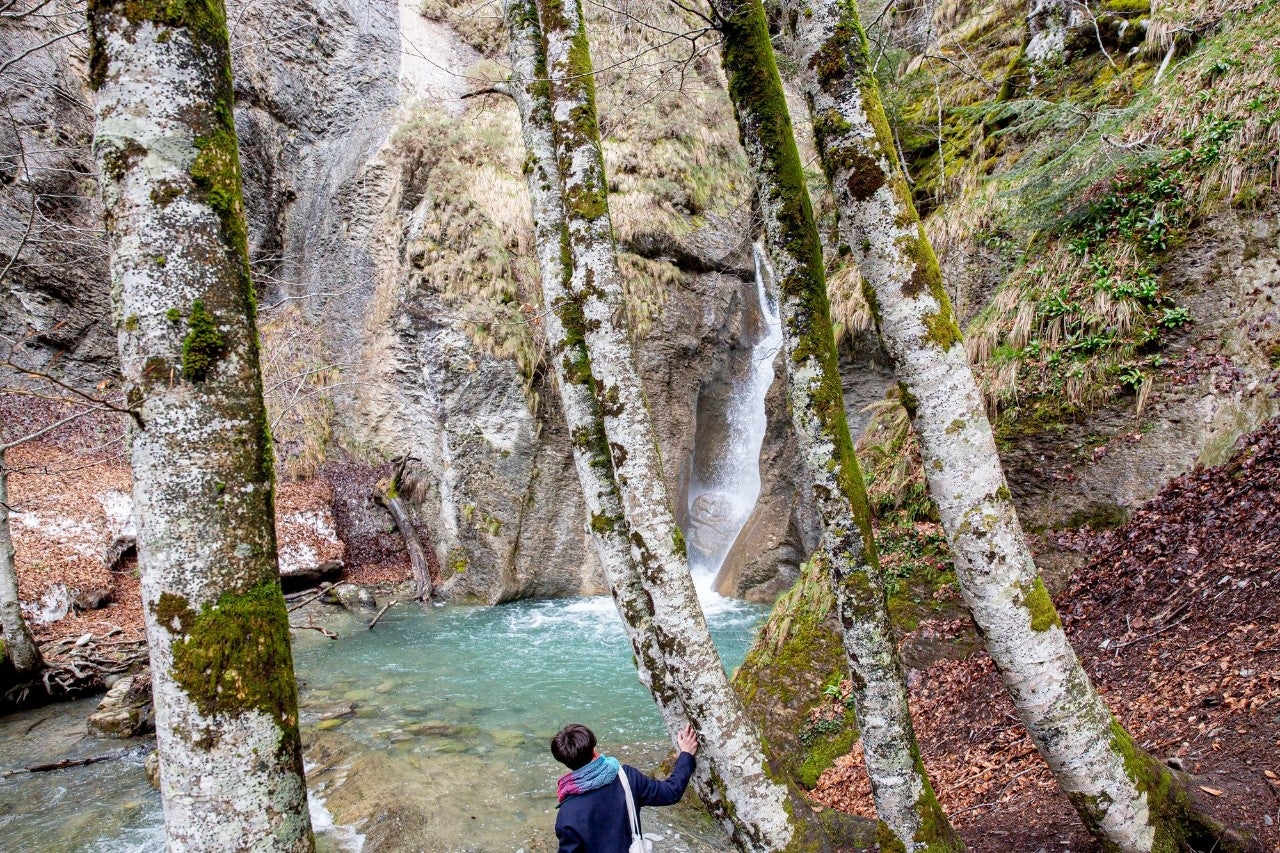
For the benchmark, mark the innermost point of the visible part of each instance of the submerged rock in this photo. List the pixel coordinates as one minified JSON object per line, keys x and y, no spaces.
{"x":348,"y":595}
{"x":151,"y":766}
{"x":126,"y":710}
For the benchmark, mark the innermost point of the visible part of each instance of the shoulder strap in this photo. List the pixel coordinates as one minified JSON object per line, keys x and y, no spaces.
{"x":631,"y":803}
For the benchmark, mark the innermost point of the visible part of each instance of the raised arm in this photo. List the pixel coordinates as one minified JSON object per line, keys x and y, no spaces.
{"x":651,"y":792}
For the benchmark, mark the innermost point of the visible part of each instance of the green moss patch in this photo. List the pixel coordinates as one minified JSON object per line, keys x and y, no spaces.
{"x":233,"y":656}
{"x":1035,"y":598}
{"x":203,"y":346}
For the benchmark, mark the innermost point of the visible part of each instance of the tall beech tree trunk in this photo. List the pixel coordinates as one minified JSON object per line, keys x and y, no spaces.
{"x":19,"y":646}
{"x":226,"y":701}
{"x":1130,"y":801}
{"x":572,"y":365}
{"x":905,"y":800}
{"x":759,"y":811}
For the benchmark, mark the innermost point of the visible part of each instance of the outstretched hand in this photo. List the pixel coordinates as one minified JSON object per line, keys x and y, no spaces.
{"x":688,"y":740}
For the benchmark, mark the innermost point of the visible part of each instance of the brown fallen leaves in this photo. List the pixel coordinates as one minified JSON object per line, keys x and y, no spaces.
{"x":1175,"y":616}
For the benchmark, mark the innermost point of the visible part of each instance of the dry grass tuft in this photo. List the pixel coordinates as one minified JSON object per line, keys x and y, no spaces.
{"x":298,"y":379}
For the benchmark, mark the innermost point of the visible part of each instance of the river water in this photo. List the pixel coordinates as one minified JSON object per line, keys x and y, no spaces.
{"x":428,"y":733}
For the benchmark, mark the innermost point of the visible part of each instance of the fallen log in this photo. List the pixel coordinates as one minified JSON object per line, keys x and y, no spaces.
{"x":65,"y":763}
{"x":387,"y":494}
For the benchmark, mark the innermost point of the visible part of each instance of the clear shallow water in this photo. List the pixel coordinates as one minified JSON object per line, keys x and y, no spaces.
{"x":428,"y":733}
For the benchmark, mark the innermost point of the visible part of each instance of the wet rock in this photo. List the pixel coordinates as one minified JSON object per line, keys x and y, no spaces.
{"x":332,"y":710}
{"x":509,"y":739}
{"x":126,"y":710}
{"x":433,"y":728}
{"x":151,"y":766}
{"x":91,"y":599}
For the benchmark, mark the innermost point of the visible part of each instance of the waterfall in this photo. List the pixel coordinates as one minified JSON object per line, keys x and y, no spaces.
{"x":723,"y":491}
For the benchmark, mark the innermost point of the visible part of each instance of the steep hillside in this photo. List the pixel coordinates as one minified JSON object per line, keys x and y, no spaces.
{"x":1106,"y":220}
{"x":1174,"y":616}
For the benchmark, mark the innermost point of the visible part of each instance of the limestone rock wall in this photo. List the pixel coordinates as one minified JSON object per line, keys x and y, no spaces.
{"x":389,"y":233}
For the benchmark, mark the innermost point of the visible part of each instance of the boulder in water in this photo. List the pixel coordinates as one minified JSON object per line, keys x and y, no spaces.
{"x":126,"y":710}
{"x":354,"y":598}
{"x":151,"y":766}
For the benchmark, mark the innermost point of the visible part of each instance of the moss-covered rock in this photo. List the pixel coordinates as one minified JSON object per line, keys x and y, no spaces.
{"x":796,"y":655}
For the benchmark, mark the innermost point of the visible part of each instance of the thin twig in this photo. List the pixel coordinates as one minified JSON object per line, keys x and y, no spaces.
{"x":384,"y":609}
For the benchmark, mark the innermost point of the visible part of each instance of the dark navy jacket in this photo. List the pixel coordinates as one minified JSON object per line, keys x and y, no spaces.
{"x":596,"y":822}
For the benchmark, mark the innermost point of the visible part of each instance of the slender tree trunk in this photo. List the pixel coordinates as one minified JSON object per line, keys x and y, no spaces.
{"x":1129,"y":801}
{"x":19,"y":646}
{"x":572,"y":365}
{"x":758,"y":810}
{"x":904,"y":799}
{"x":218,"y":633}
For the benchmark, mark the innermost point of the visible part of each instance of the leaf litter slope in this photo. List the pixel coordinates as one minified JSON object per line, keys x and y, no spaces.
{"x":1175,"y":616}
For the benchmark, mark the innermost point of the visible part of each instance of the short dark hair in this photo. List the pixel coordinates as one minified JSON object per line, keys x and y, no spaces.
{"x":574,"y":746}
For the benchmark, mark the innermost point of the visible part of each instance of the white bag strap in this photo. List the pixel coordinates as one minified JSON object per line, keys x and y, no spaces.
{"x":631,"y":804}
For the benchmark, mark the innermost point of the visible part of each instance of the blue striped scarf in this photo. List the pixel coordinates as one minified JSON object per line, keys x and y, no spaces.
{"x":597,"y":774}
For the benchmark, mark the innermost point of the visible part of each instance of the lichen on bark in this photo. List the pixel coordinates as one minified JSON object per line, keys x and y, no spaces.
{"x":200,"y":449}
{"x":793,"y":259}
{"x":741,"y":789}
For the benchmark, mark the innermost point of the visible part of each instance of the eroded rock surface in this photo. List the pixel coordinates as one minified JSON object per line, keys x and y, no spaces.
{"x":126,"y":710}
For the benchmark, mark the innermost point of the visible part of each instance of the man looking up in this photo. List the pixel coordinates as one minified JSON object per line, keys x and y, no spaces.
{"x":593,"y":807}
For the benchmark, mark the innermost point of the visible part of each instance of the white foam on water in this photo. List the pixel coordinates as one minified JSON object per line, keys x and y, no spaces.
{"x":723,"y":504}
{"x":342,"y":835}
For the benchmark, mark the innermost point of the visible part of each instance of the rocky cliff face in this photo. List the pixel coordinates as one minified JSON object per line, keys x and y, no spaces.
{"x":392,"y":250}
{"x":391,"y":245}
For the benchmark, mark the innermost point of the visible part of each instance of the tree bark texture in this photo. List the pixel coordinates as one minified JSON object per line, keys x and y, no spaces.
{"x":759,"y":811}
{"x":905,"y":800}
{"x":19,"y":646}
{"x":572,"y":366}
{"x":218,"y":633}
{"x":1130,"y":801}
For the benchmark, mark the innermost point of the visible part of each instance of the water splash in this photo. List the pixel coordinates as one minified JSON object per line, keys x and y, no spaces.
{"x":720,"y":502}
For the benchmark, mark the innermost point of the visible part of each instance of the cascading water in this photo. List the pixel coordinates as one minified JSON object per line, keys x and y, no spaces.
{"x":724,"y":488}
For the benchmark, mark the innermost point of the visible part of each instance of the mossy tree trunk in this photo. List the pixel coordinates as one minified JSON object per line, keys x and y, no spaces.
{"x":572,"y":365}
{"x":759,"y":811}
{"x":19,"y":646}
{"x":905,"y":801}
{"x":218,"y":634}
{"x":1129,"y":801}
